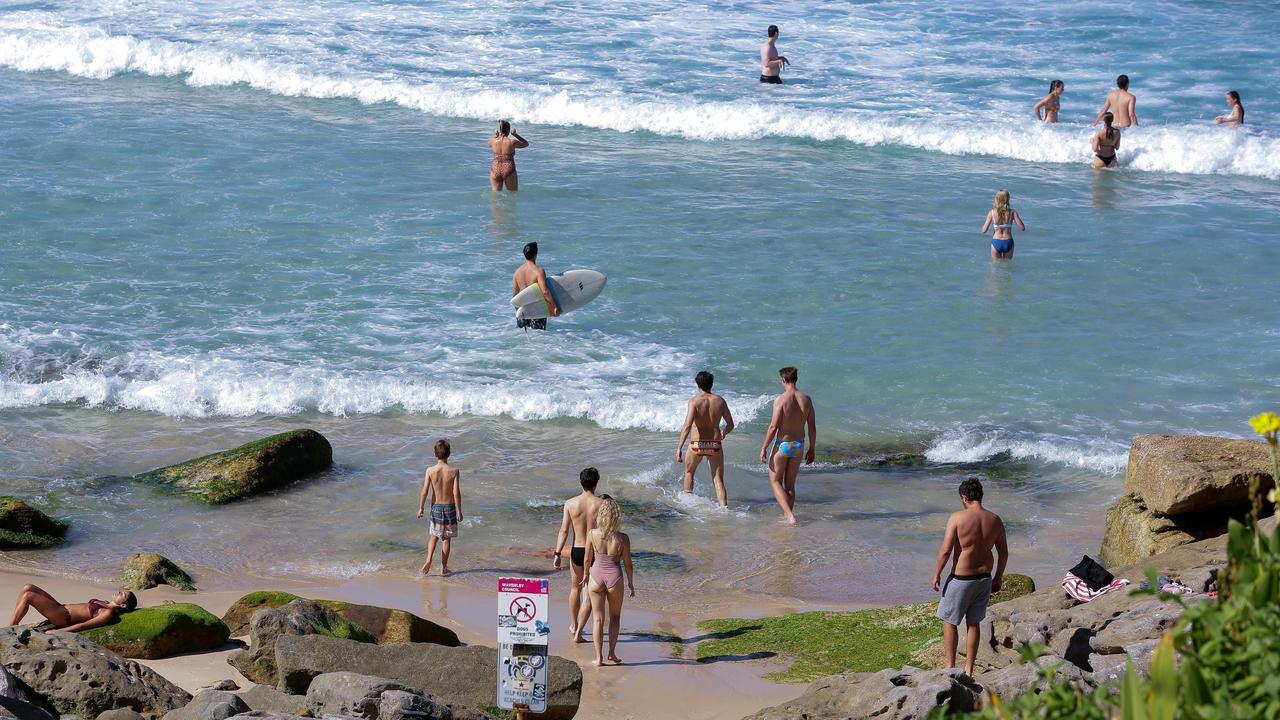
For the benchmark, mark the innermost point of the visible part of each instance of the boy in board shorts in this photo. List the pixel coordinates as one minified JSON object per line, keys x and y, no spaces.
{"x":442,"y":484}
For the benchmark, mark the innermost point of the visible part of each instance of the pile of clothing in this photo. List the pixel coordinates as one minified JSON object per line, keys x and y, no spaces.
{"x":1088,"y":581}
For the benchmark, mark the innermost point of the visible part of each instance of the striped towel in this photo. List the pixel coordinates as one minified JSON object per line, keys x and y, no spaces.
{"x":1081,"y":591}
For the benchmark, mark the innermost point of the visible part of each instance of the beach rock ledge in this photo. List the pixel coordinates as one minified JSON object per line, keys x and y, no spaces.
{"x":160,"y":632}
{"x":388,"y":626}
{"x":250,"y":469}
{"x":23,"y":526}
{"x":300,"y":617}
{"x":147,"y":570}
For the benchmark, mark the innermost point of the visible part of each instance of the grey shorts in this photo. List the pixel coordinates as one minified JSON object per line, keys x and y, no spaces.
{"x":965,"y":598}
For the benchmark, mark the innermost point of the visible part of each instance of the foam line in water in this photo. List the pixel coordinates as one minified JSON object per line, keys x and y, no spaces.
{"x":94,"y":53}
{"x":968,"y":444}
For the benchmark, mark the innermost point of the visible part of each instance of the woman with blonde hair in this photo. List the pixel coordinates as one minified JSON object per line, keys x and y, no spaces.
{"x":608,"y":553}
{"x":1001,"y":218}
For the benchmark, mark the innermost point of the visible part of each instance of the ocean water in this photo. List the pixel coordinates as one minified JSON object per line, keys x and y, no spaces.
{"x":228,"y":220}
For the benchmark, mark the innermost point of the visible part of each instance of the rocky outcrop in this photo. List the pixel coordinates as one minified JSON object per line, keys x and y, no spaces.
{"x":299,"y":617}
{"x":375,"y":698}
{"x":23,"y":526}
{"x":210,"y":705}
{"x":249,"y":469}
{"x":72,"y":675}
{"x":18,"y":710}
{"x":161,"y":631}
{"x":1180,"y":489}
{"x":388,"y":626}
{"x":457,"y":676}
{"x":147,"y":570}
{"x":906,"y":694}
{"x":269,"y":699}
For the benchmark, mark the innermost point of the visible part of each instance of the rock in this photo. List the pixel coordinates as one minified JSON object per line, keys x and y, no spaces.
{"x":270,"y":715}
{"x":457,"y":676}
{"x":299,"y":617}
{"x":1018,"y":678}
{"x":12,"y":688}
{"x":249,"y":469}
{"x":1014,"y":586}
{"x":373,"y":698}
{"x":161,"y":631}
{"x":1176,"y":474}
{"x":267,"y":698}
{"x":17,"y":710}
{"x":121,"y":714}
{"x":1148,"y":619}
{"x":905,"y":694}
{"x":147,"y":570}
{"x":389,"y":626}
{"x":229,"y":685}
{"x":1134,"y":532}
{"x":71,"y":674}
{"x":23,"y":526}
{"x":210,"y":705}
{"x":1110,"y":669}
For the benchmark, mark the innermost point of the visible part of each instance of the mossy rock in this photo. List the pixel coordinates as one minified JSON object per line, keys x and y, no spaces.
{"x":249,"y":469}
{"x":147,"y":570}
{"x":161,"y":631}
{"x":1014,"y":586}
{"x":387,"y":626}
{"x":23,"y":526}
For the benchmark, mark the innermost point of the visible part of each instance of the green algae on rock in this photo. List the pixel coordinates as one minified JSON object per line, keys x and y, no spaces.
{"x":249,"y":469}
{"x":147,"y":570}
{"x":388,"y":626}
{"x":161,"y":631}
{"x":23,"y":526}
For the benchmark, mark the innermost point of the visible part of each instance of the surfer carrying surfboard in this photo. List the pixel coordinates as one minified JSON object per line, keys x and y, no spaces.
{"x":531,"y":274}
{"x":706,"y":410}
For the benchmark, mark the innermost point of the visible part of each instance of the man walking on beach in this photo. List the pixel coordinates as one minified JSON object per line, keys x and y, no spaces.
{"x":579,"y":516}
{"x":706,"y":410}
{"x":970,"y":535}
{"x":771,"y":63}
{"x":1121,"y":103}
{"x":783,"y":446}
{"x":528,"y":274}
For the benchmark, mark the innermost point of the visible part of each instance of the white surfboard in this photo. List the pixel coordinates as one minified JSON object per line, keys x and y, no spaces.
{"x":572,"y":290}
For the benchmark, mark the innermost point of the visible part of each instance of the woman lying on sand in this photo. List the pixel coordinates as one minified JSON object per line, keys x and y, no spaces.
{"x":77,"y":616}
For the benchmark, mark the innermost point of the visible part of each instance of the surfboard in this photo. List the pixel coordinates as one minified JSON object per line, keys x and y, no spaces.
{"x":572,"y":290}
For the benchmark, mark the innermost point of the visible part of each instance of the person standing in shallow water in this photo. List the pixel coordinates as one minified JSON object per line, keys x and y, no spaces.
{"x":1122,"y":105}
{"x":970,"y":535}
{"x":1001,"y":217}
{"x":502,"y":170}
{"x":771,"y":63}
{"x":706,"y":411}
{"x":1236,"y":117}
{"x":608,"y":555}
{"x":443,"y":487}
{"x":531,"y":273}
{"x":1047,"y":109}
{"x":578,"y":517}
{"x":1105,"y":144}
{"x":783,"y":448}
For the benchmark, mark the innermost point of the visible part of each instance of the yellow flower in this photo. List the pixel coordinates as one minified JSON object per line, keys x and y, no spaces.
{"x":1266,"y":424}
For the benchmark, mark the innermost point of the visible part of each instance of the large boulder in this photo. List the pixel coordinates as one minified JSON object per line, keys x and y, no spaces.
{"x":161,"y":631}
{"x":18,"y":710}
{"x":147,"y":570}
{"x":299,"y":617}
{"x":906,"y":694}
{"x":1134,"y":532}
{"x":388,"y":625}
{"x":73,"y":675}
{"x":269,"y":699}
{"x":456,"y":675}
{"x":1019,"y":678}
{"x":210,"y":705}
{"x":375,"y":698}
{"x":1176,"y":474}
{"x":249,"y":469}
{"x":23,"y":526}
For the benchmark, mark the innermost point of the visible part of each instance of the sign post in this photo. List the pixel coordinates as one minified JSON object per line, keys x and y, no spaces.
{"x":524,"y":630}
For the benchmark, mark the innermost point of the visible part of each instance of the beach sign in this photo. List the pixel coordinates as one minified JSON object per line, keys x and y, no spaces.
{"x":524,"y":630}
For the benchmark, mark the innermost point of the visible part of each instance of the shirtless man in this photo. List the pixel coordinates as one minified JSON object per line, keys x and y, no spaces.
{"x":579,"y":516}
{"x":443,"y":488}
{"x":771,"y":63}
{"x":1121,"y":103}
{"x":784,"y":440}
{"x":706,"y":410}
{"x":528,"y":274}
{"x":970,"y":535}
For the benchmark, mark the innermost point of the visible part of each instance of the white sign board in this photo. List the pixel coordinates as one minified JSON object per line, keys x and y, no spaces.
{"x":524,"y":630}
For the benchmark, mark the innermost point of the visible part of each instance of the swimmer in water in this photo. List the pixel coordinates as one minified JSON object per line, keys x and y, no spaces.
{"x":1001,"y":218}
{"x":1047,"y":109}
{"x":1121,"y":104}
{"x":771,"y":63}
{"x":1236,"y":117}
{"x":502,"y":170}
{"x":1105,"y":144}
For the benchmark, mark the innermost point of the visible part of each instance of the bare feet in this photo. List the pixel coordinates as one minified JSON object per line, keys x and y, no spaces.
{"x":597,"y":662}
{"x":444,"y":571}
{"x":614,"y":659}
{"x":791,"y":519}
{"x":426,"y":570}
{"x":577,"y":637}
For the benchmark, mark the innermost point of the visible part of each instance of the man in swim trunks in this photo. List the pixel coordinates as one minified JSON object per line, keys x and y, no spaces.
{"x":771,"y":63}
{"x":706,"y":410}
{"x":579,"y":516}
{"x":784,"y":447}
{"x":1121,"y":103}
{"x":528,"y":274}
{"x":443,"y":487}
{"x":970,"y":535}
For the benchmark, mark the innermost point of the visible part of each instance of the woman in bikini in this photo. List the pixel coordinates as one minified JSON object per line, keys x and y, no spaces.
{"x":608,"y":553}
{"x":1047,"y":108}
{"x":1105,"y":144}
{"x":1236,"y":117}
{"x":1001,"y":218}
{"x":74,"y":617}
{"x":502,"y":171}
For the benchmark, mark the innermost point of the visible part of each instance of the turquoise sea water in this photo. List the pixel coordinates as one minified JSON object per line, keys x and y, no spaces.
{"x":227,"y":221}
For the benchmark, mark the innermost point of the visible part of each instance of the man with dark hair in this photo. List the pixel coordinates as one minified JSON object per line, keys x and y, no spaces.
{"x":706,"y":410}
{"x":784,"y":447}
{"x":528,"y":274}
{"x":1121,"y":103}
{"x":579,"y":516}
{"x":971,"y":534}
{"x":771,"y":63}
{"x":443,"y":487}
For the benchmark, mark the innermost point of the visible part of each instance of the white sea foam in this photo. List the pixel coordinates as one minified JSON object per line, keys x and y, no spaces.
{"x":343,"y":570}
{"x":973,"y":444}
{"x":92,"y":52}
